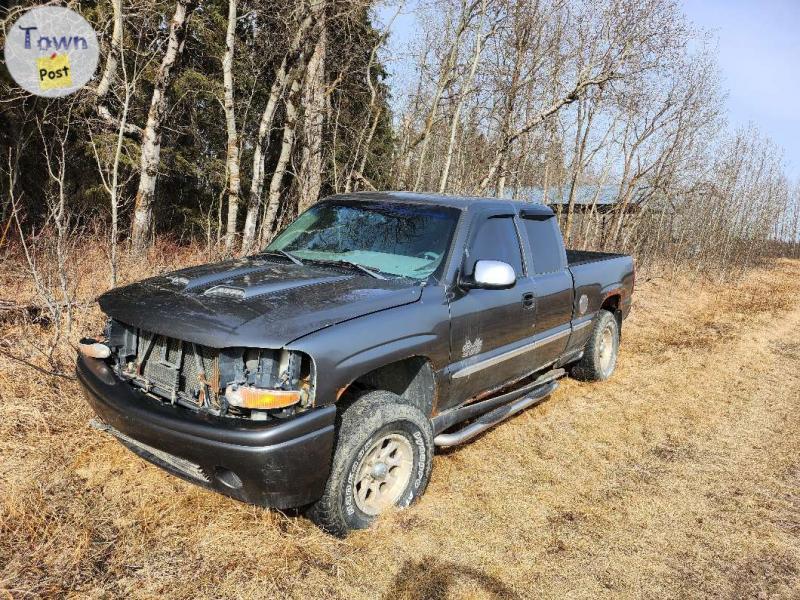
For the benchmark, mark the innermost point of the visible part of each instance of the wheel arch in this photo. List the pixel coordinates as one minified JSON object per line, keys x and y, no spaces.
{"x":612,"y":304}
{"x":413,"y":379}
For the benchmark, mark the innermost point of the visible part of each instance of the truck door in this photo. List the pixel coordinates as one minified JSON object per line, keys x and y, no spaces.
{"x":489,"y":327}
{"x":552,"y":283}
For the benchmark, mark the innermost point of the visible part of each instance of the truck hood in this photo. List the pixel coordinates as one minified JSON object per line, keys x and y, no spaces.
{"x":252,"y":302}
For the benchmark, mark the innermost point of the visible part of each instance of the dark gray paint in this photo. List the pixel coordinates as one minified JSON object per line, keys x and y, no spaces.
{"x":350,"y":323}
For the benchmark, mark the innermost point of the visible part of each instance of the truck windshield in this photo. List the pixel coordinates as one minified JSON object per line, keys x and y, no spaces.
{"x":405,"y":240}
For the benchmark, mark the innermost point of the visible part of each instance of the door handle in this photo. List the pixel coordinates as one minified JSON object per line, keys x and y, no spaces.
{"x":528,"y":300}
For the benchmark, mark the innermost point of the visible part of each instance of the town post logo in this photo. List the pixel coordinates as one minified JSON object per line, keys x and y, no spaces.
{"x":51,"y":51}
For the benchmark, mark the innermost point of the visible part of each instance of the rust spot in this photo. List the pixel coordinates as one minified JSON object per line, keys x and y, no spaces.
{"x":201,"y":397}
{"x":341,"y":391}
{"x":215,"y":376}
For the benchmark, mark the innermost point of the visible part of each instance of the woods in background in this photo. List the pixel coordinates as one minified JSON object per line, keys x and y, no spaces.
{"x":213,"y":119}
{"x":221,"y":120}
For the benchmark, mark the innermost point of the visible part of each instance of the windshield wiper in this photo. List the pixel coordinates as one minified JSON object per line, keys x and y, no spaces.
{"x":354,"y":265}
{"x":291,"y":257}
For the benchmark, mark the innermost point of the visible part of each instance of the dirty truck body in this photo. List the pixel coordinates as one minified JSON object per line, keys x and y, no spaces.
{"x":247,"y":376}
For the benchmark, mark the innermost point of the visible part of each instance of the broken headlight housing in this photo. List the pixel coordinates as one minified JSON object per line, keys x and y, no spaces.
{"x":277,"y":381}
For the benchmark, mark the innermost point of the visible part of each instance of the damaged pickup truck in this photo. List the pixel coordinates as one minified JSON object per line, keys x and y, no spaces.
{"x":322,"y":371}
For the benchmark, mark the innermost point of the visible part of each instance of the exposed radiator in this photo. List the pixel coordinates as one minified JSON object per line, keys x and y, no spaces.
{"x":170,"y":368}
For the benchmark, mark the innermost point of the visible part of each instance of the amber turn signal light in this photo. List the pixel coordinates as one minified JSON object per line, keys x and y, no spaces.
{"x":93,"y":349}
{"x":245,"y":396}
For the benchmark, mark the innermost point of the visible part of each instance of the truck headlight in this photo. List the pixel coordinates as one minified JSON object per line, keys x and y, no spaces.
{"x":245,"y":396}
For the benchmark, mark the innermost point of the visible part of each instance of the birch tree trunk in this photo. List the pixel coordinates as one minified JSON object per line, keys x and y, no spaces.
{"x":423,"y":139}
{"x":367,"y":132}
{"x":310,"y":177}
{"x":500,"y":189}
{"x":287,"y":144}
{"x":283,"y":77}
{"x":110,"y":74}
{"x":151,"y":136}
{"x":362,"y":163}
{"x":232,"y":162}
{"x":110,"y":69}
{"x":375,"y":111}
{"x":114,"y":187}
{"x":476,"y":57}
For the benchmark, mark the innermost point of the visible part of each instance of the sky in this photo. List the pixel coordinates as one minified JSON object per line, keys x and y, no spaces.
{"x":759,"y":58}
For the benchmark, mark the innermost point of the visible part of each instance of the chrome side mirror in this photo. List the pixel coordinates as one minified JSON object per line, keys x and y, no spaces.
{"x":494,"y":275}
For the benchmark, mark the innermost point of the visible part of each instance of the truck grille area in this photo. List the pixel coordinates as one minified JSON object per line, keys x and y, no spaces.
{"x":197,"y":377}
{"x":175,"y":370}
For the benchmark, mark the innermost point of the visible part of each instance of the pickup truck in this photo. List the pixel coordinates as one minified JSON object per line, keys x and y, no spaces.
{"x":323,"y":371}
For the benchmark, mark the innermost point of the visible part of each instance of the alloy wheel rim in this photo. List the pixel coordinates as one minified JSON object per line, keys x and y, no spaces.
{"x":383,"y":474}
{"x":606,"y":349}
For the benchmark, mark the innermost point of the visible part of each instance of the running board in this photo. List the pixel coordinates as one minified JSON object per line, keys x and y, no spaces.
{"x":454,"y":416}
{"x":493,"y":417}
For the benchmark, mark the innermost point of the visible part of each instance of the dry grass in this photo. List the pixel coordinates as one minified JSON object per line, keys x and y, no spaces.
{"x":680,"y":477}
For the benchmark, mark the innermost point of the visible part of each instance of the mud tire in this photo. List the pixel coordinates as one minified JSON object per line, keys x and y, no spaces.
{"x":596,"y":365}
{"x":373,"y":415}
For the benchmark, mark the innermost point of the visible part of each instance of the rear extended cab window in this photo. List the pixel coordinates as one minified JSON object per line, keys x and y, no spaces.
{"x":545,"y":242}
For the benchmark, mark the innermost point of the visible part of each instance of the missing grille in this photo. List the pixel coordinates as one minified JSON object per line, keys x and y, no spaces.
{"x":178,"y":371}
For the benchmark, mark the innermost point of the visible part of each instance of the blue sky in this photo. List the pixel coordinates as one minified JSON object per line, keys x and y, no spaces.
{"x":759,"y":57}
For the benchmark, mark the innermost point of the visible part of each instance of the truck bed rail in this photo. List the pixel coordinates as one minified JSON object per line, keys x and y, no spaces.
{"x":580,"y":257}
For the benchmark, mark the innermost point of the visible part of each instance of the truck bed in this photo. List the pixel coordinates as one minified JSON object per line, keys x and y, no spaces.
{"x":597,"y":274}
{"x":581,"y":257}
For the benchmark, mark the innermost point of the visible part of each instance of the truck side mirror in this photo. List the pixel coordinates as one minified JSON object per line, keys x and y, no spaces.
{"x":493,"y":275}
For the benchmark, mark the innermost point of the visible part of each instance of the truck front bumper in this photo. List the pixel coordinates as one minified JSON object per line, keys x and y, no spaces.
{"x":279,"y":463}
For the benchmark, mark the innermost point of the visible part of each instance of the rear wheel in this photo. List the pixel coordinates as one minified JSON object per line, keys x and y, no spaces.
{"x":600,"y":354}
{"x":382,"y":460}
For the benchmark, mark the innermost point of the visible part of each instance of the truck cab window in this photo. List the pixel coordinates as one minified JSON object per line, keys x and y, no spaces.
{"x":496,"y":239}
{"x":545,"y":240}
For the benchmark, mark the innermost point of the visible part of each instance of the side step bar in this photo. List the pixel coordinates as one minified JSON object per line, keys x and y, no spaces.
{"x":508,"y":407}
{"x":455,"y":416}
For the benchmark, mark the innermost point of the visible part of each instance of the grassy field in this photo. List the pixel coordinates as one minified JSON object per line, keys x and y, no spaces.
{"x":679,"y":478}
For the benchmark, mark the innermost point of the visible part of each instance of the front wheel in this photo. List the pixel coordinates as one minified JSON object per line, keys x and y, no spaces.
{"x":383,"y":459}
{"x":600,"y":354}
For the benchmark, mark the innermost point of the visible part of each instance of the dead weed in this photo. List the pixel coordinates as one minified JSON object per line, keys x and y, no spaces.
{"x":677,"y":478}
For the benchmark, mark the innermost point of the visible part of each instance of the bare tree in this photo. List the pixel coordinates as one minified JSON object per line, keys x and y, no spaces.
{"x":49,"y":250}
{"x":480,"y":39}
{"x":110,"y":73}
{"x":313,"y":102}
{"x":355,"y":176}
{"x":464,"y":16}
{"x":151,"y":136}
{"x":276,"y":182}
{"x":289,"y":69}
{"x":579,"y":88}
{"x":115,"y":48}
{"x":232,"y":160}
{"x":110,"y":174}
